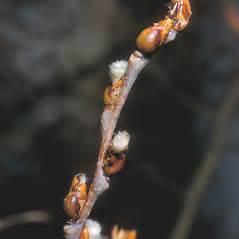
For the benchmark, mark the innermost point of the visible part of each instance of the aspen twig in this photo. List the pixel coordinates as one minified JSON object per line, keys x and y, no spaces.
{"x":148,"y":41}
{"x":108,"y":123}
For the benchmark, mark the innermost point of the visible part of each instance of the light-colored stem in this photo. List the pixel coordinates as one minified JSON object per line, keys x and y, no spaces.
{"x":176,"y":20}
{"x":23,"y":218}
{"x":109,"y":119}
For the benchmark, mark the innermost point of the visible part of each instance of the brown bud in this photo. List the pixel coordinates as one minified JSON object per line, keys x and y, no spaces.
{"x":180,"y":13}
{"x":152,"y":37}
{"x":84,"y":234}
{"x":123,"y":234}
{"x":112,"y":93}
{"x":76,"y":197}
{"x":114,"y":163}
{"x":72,"y":205}
{"x":79,"y":185}
{"x":107,"y":95}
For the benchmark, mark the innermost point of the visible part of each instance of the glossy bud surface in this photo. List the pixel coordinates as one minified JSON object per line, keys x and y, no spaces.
{"x":152,"y":37}
{"x":71,"y":205}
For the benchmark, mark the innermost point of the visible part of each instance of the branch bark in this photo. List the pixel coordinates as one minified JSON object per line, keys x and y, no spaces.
{"x":148,"y":41}
{"x":109,"y":119}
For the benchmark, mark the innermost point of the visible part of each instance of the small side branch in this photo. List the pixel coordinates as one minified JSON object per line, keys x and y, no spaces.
{"x":23,"y":218}
{"x":208,"y":167}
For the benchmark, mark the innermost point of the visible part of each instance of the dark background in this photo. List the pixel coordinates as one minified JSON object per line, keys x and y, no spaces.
{"x":53,"y":69}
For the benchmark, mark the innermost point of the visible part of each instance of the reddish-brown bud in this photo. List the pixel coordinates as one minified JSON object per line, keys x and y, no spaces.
{"x":79,"y":185}
{"x":107,"y":95}
{"x":84,"y":234}
{"x":112,"y":93}
{"x":180,"y":13}
{"x":76,"y":197}
{"x":152,"y":37}
{"x":72,"y":205}
{"x":123,"y":234}
{"x":114,"y":163}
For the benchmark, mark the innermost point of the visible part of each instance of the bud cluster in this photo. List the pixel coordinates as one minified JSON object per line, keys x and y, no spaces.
{"x":115,"y":157}
{"x":165,"y":30}
{"x":76,"y":196}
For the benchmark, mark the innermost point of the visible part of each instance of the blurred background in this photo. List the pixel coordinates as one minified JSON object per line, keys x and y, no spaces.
{"x":53,"y":69}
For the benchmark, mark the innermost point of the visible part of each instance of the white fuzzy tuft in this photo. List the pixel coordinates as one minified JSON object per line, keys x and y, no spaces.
{"x":94,"y":229}
{"x":117,"y":70}
{"x":71,"y":231}
{"x":120,"y":142}
{"x":82,"y":177}
{"x":171,"y":36}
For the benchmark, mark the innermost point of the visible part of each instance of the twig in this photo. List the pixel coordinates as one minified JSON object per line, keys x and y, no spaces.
{"x":208,"y":167}
{"x":109,"y":120}
{"x":148,"y":41}
{"x":108,"y":123}
{"x":23,"y":218}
